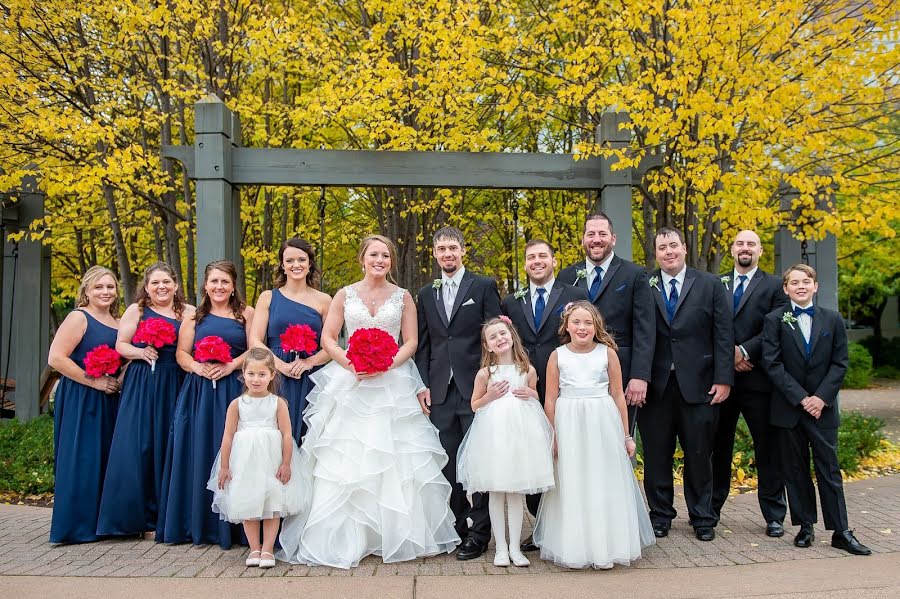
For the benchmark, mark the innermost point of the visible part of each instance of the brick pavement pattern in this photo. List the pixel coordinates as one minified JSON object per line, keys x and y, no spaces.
{"x":873,"y":507}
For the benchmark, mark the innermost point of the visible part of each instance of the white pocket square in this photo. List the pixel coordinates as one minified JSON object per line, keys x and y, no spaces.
{"x":469,"y":302}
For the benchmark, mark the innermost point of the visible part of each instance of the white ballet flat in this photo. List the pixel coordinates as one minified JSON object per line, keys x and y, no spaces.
{"x":265,"y":562}
{"x":253,"y":561}
{"x":518,"y":559}
{"x":501,"y":556}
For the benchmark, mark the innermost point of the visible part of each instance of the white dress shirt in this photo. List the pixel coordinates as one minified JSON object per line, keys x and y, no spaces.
{"x":548,"y":287}
{"x":804,"y":320}
{"x":735,"y":281}
{"x":590,"y":266}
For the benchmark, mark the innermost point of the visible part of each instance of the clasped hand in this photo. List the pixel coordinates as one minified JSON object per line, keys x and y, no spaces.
{"x":213,"y":370}
{"x":295,"y":368}
{"x":813,"y":406}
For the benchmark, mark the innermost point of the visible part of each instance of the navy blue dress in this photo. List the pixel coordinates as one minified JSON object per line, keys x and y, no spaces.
{"x":284,"y":312}
{"x":185,"y":513}
{"x":137,"y":457}
{"x":83,"y":421}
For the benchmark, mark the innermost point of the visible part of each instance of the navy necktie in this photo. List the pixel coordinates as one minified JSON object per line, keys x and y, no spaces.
{"x":739,"y":291}
{"x":595,"y":286}
{"x":672,"y":300}
{"x":811,"y":311}
{"x":539,"y":306}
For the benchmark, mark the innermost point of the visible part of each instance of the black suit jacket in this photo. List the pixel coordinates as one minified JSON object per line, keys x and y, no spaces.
{"x":454,"y":344}
{"x":763,"y":294}
{"x":795,"y":376}
{"x":626,"y":303}
{"x":699,"y":341}
{"x":540,"y":341}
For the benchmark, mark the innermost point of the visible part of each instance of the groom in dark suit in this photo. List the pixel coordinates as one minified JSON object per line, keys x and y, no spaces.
{"x":535,"y":312}
{"x":692,"y":373}
{"x":619,"y":290}
{"x":754,"y":294}
{"x":451,"y":312}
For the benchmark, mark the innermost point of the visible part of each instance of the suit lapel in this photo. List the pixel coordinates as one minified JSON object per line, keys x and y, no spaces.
{"x":753,"y":284}
{"x":685,"y":289}
{"x":461,"y":293}
{"x":608,"y":275}
{"x":815,"y":331}
{"x":527,"y":310}
{"x":660,"y":300}
{"x":439,"y":304}
{"x":796,"y":333}
{"x":551,"y":303}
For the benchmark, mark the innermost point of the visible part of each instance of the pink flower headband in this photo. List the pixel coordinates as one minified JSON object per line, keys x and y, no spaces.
{"x":505,"y":319}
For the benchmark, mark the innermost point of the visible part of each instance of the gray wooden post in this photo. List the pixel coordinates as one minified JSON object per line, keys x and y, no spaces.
{"x":615,"y":194}
{"x":821,"y":255}
{"x":31,"y":306}
{"x":217,"y":133}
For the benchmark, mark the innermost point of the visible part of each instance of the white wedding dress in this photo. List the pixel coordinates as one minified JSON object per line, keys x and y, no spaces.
{"x":373,"y":463}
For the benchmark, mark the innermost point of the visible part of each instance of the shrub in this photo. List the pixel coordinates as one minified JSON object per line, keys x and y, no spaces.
{"x":887,"y":372}
{"x":858,"y":438}
{"x":885,"y":352}
{"x":859,"y":372}
{"x":26,"y":456}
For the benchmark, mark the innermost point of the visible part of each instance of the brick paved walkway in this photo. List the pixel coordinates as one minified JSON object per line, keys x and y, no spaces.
{"x":873,"y":507}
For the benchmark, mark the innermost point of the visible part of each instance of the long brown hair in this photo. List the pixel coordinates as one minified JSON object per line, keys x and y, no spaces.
{"x":143,"y":298}
{"x":264,"y":355}
{"x":235,"y":302}
{"x":91,"y":276}
{"x":392,"y":250}
{"x":601,"y":335}
{"x":313,"y":277}
{"x":490,"y":360}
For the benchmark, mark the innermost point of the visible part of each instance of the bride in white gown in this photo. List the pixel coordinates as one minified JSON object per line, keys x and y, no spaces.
{"x":371,"y":460}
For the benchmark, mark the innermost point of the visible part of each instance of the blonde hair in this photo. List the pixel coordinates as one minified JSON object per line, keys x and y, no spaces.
{"x":392,"y":250}
{"x":601,"y":335}
{"x":90,"y":278}
{"x":264,"y":355}
{"x":804,"y":268}
{"x":490,"y":360}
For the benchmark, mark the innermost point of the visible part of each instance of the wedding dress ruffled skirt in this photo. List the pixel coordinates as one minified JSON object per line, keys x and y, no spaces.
{"x":372,"y":461}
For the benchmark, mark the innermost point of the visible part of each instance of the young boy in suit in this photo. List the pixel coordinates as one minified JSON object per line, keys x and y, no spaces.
{"x":805,"y":356}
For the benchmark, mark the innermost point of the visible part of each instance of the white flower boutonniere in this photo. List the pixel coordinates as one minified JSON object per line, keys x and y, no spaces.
{"x":653,"y":281}
{"x":789,"y":319}
{"x":520,"y":294}
{"x":726,"y":280}
{"x":581,"y":273}
{"x":437,"y":283}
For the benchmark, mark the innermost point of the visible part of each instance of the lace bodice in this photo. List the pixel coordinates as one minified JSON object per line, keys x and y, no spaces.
{"x":387,"y":317}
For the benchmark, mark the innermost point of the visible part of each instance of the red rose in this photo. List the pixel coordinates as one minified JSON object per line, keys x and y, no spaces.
{"x":212,"y":349}
{"x":102,"y":360}
{"x":156,"y":332}
{"x":371,"y":350}
{"x":299,"y":338}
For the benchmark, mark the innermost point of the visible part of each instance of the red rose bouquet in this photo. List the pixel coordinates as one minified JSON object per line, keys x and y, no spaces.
{"x":299,"y":338}
{"x":156,"y":332}
{"x":102,"y":360}
{"x":371,"y":350}
{"x":212,"y":349}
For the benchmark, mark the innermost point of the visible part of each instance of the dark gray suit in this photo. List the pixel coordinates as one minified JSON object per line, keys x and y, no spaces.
{"x":455,"y":344}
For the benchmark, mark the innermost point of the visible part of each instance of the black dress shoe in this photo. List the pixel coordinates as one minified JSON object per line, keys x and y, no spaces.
{"x":528,"y":545}
{"x":774,"y":529}
{"x":470,"y":549}
{"x":705,"y":533}
{"x":661,"y":530}
{"x":846,"y":541}
{"x":805,"y":537}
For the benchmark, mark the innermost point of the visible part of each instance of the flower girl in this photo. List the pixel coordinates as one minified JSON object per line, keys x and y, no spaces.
{"x":595,"y":517}
{"x":253,"y":478}
{"x":507,"y":450}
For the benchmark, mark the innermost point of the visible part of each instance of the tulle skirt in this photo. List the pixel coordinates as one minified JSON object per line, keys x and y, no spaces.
{"x":373,"y":463}
{"x":507,"y":449}
{"x":595,"y":517}
{"x":253,"y":493}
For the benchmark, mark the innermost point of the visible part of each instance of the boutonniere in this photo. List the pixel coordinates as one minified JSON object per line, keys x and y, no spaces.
{"x":520,"y":294}
{"x":653,"y":281}
{"x":725,"y":280}
{"x":581,"y":273}
{"x":789,"y":319}
{"x":437,"y":283}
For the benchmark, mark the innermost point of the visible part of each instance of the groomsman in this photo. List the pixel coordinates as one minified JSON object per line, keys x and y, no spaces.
{"x":805,"y":354}
{"x":619,"y":290}
{"x":754,"y":294}
{"x":451,"y":312}
{"x":692,"y":373}
{"x":535,"y":312}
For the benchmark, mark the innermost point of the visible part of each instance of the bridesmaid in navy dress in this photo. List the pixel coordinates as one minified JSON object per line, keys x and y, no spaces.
{"x":185,"y":505}
{"x":84,"y":411}
{"x":295,"y":300}
{"x":137,"y":457}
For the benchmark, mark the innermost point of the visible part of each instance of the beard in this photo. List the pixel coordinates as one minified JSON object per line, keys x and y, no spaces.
{"x":449,"y":269}
{"x":744,"y":260}
{"x":605,"y":251}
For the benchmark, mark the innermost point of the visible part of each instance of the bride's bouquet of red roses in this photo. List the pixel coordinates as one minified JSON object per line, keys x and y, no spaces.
{"x":371,"y":350}
{"x":212,"y":348}
{"x":156,"y":332}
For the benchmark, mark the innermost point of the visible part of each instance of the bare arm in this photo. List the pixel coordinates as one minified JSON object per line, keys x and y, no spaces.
{"x":67,"y":338}
{"x":184,"y":353}
{"x":231,"y":422}
{"x":331,"y":328}
{"x":257,"y":335}
{"x":127,"y":328}
{"x":216,"y":370}
{"x":287,"y":442}
{"x":484,"y":391}
{"x":551,"y":388}
{"x":409,"y":331}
